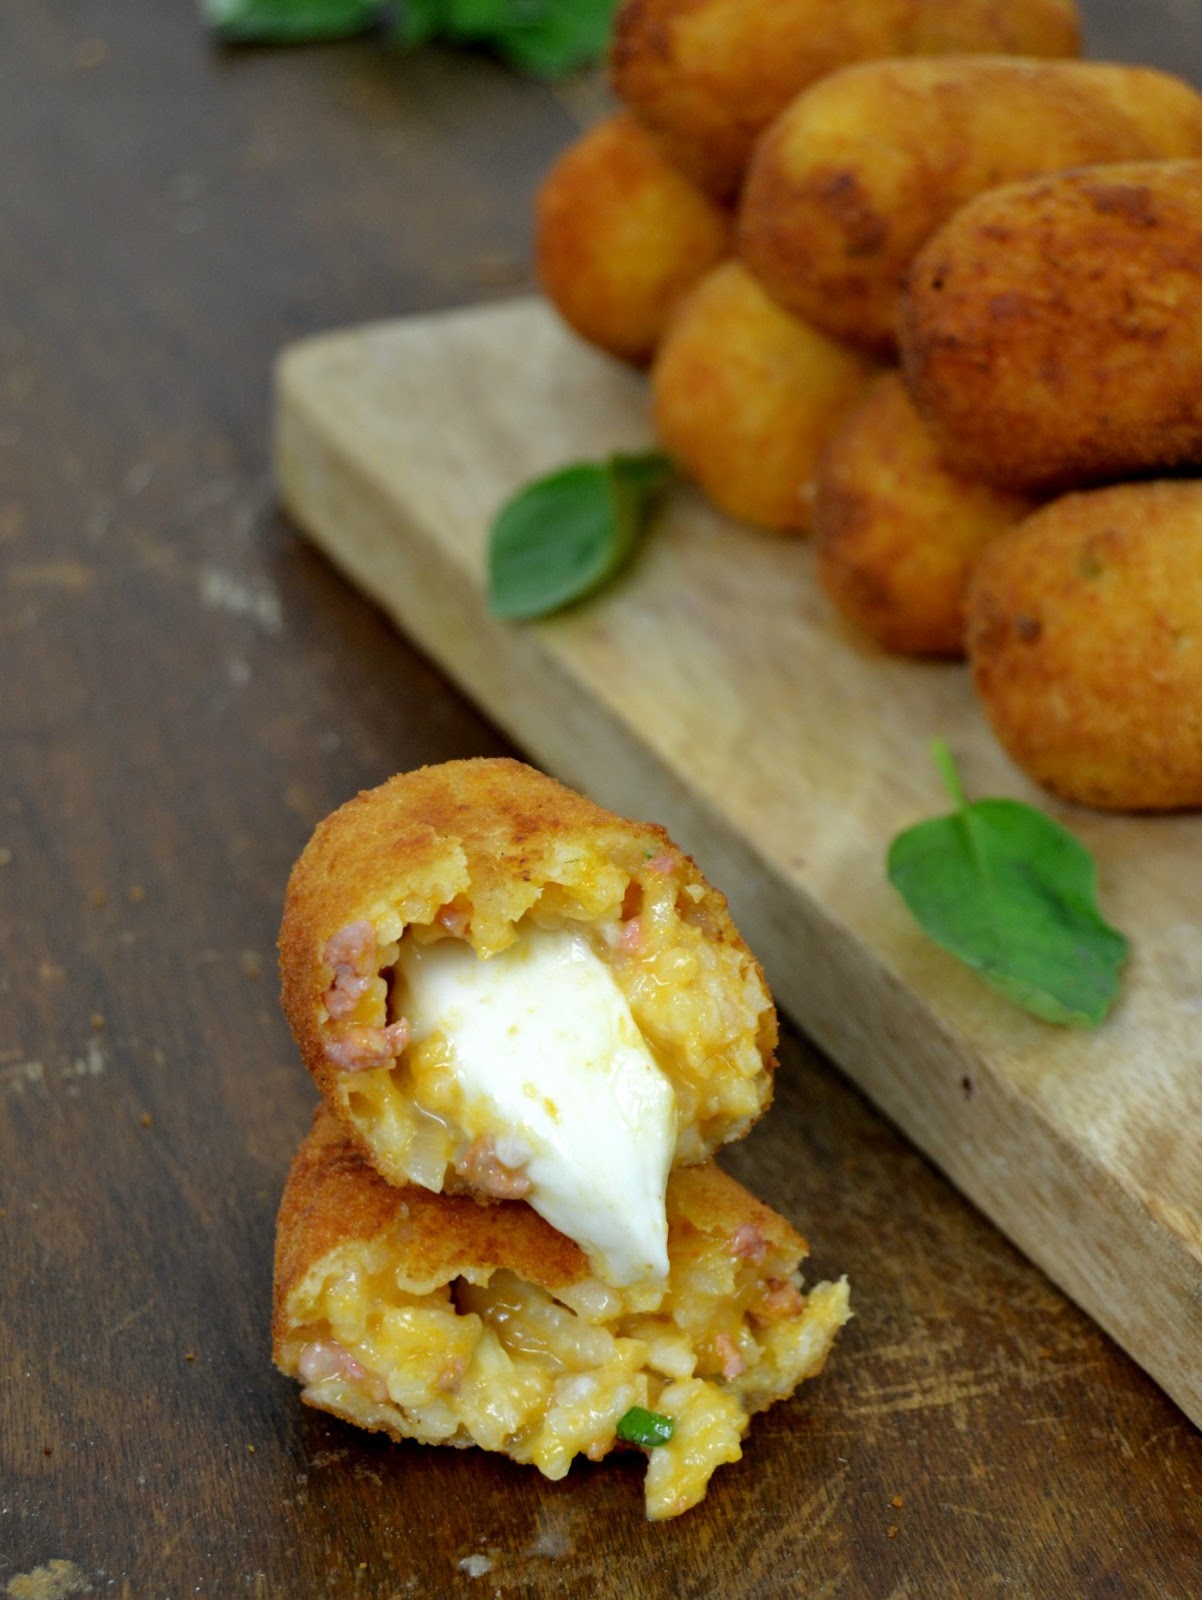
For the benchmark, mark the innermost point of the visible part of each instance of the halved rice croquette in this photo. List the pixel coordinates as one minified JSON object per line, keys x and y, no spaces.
{"x":500,"y":986}
{"x":429,"y":1317}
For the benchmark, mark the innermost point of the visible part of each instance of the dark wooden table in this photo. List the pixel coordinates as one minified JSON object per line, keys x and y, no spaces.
{"x":185,"y":689}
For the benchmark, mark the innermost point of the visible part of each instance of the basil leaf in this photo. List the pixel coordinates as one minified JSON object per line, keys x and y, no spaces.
{"x":1014,"y":895}
{"x":288,"y":21}
{"x":418,"y":21}
{"x":645,"y":1427}
{"x":563,"y":536}
{"x":543,"y":37}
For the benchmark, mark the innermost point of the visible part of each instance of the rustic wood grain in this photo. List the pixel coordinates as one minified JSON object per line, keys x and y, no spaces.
{"x":185,"y":689}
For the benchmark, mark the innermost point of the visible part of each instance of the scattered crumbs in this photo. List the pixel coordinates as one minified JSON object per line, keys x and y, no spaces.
{"x":250,"y":1449}
{"x":55,"y":1581}
{"x":90,"y":54}
{"x":6,"y":856}
{"x":22,"y":1075}
{"x":552,"y":1543}
{"x":475,"y":1566}
{"x":1045,"y":1353}
{"x":47,"y":1450}
{"x":136,"y":894}
{"x":97,"y":1021}
{"x":98,"y":898}
{"x":146,"y":1120}
{"x":189,"y":1355}
{"x":892,"y":1531}
{"x":251,"y":963}
{"x":898,"y":1502}
{"x":90,"y":1065}
{"x":966,"y":1087}
{"x":242,"y":597}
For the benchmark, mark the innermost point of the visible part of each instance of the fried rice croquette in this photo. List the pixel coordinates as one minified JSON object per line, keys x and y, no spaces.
{"x":499,"y":986}
{"x":431,"y":1318}
{"x":860,"y":170}
{"x":710,"y":75}
{"x":897,"y":530}
{"x":621,"y":235}
{"x":744,"y":395}
{"x":1085,"y":640}
{"x":1051,"y":332}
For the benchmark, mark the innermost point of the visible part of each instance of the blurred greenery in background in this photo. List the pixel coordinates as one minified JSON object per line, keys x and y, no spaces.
{"x":543,"y":37}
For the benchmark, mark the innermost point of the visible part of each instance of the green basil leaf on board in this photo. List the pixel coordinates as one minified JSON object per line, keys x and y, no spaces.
{"x":288,"y":21}
{"x":1014,"y":895}
{"x":649,"y":1428}
{"x":562,"y":537}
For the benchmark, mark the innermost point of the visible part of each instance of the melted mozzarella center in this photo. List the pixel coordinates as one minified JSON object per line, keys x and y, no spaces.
{"x":550,"y":1062}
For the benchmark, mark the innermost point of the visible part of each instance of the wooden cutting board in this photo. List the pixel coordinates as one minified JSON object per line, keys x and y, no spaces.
{"x":712,"y":689}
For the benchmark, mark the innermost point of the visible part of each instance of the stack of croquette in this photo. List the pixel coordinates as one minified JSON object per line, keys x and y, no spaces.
{"x":532,"y":1023}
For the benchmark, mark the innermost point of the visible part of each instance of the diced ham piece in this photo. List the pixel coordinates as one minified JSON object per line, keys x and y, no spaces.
{"x":481,"y":1166}
{"x":326,"y":1358}
{"x":351,"y":952}
{"x":665,"y":862}
{"x":727,"y":1351}
{"x":322,"y":1359}
{"x":450,"y":1375}
{"x":782,"y":1300}
{"x":360,"y":1049}
{"x":454,"y":920}
{"x":631,"y":938}
{"x":748,"y":1243}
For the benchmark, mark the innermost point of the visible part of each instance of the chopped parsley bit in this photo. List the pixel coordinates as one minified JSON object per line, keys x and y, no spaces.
{"x":647,"y":1428}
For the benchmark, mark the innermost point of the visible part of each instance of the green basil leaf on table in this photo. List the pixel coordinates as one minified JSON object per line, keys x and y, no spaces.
{"x":1014,"y":895}
{"x":563,"y":536}
{"x":288,"y":21}
{"x":650,"y":1428}
{"x":542,"y":37}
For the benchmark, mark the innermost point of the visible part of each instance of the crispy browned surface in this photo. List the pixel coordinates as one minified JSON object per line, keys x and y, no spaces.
{"x":489,"y":829}
{"x":621,"y":234}
{"x":709,"y":75}
{"x":745,"y":395}
{"x":897,"y":530}
{"x":333,"y":1197}
{"x":1085,"y":637}
{"x":861,"y":169}
{"x":1051,"y":331}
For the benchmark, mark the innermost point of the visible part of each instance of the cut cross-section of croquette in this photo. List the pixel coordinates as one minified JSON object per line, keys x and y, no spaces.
{"x":499,"y":986}
{"x":432,"y":1318}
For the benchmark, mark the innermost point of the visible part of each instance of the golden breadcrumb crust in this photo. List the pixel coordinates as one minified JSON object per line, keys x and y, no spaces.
{"x":333,"y":1197}
{"x":1083,"y":627}
{"x":1050,"y":330}
{"x":480,"y":845}
{"x":621,"y":236}
{"x":710,"y":75}
{"x":431,"y":1318}
{"x":860,"y":170}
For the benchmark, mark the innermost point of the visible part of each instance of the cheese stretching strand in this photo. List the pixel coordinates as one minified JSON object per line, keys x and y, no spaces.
{"x":549,"y":1064}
